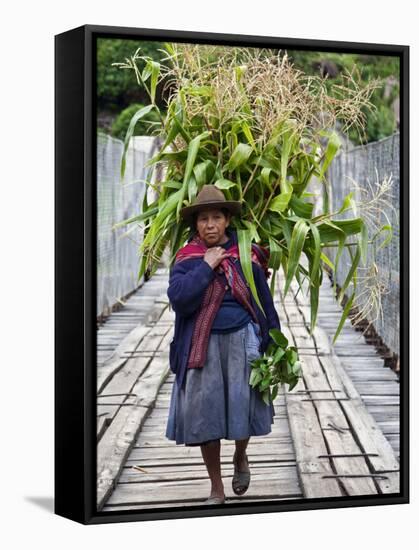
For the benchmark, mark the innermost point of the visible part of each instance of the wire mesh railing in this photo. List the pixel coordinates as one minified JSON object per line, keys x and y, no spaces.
{"x":379,"y":282}
{"x":117,"y":249}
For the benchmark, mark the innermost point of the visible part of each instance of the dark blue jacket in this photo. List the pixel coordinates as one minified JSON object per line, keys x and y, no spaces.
{"x":188,"y":281}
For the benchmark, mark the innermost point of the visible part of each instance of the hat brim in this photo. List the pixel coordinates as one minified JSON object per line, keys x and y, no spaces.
{"x":234,"y":207}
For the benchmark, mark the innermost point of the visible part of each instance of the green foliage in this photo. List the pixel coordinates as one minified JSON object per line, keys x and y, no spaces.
{"x":143,"y":127}
{"x":225,"y":126}
{"x":114,"y":87}
{"x":279,"y":365}
{"x":381,"y":122}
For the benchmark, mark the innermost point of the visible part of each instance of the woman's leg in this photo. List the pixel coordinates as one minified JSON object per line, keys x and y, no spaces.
{"x":240,"y":454}
{"x":211,"y":455}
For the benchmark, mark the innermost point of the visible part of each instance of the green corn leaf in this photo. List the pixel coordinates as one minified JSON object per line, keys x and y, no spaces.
{"x":168,"y":46}
{"x":267,"y":161}
{"x":286,"y":227}
{"x":314,"y":304}
{"x":291,"y":355}
{"x":193,"y":149}
{"x":344,"y":316}
{"x":173,"y":132}
{"x":297,"y":242}
{"x":265,"y":383}
{"x":172,"y":184}
{"x":314,"y":275}
{"x":203,"y":172}
{"x":248,"y":133}
{"x":146,"y":72}
{"x":137,"y":116}
{"x":141,"y":217}
{"x":272,"y":283}
{"x":265,"y":396}
{"x":275,"y":254}
{"x":200,"y":173}
{"x":173,"y":156}
{"x":327,"y":261}
{"x":301,"y":208}
{"x":333,"y":145}
{"x":351,"y":272}
{"x":181,"y":130}
{"x":387,"y":239}
{"x":364,"y":242}
{"x":264,"y":175}
{"x":286,"y":187}
{"x":266,"y":225}
{"x":255,"y":377}
{"x":289,"y":141}
{"x":347,"y":203}
{"x":155,"y":71}
{"x":330,"y":231}
{"x":254,"y":235}
{"x":145,"y":205}
{"x":240,"y":155}
{"x":203,"y":91}
{"x":224,"y":183}
{"x":165,"y":209}
{"x":280,"y":202}
{"x":192,"y":188}
{"x":278,"y":337}
{"x":142,"y":267}
{"x":337,"y":258}
{"x":243,"y":237}
{"x":326,"y":200}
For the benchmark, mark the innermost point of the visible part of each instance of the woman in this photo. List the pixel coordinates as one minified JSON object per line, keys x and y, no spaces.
{"x":219,"y":331}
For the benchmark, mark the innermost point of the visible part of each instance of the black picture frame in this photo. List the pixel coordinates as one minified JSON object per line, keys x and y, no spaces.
{"x":75,"y":272}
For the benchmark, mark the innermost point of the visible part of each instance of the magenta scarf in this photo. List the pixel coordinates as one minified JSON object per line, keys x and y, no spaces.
{"x":214,"y":294}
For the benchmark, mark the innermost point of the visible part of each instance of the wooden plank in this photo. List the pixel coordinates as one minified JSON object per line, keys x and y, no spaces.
{"x":322,"y":341}
{"x":173,"y":473}
{"x":309,"y":444}
{"x":123,"y":381}
{"x":281,"y":455}
{"x":340,"y":440}
{"x":190,"y":491}
{"x":176,"y":475}
{"x":228,"y":502}
{"x":368,"y":433}
{"x":113,"y":448}
{"x":368,"y":430}
{"x":158,"y":441}
{"x":378,"y":387}
{"x":115,"y":361}
{"x":174,"y":451}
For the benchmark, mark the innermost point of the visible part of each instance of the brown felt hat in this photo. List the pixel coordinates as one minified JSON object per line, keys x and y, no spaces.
{"x":209,"y":195}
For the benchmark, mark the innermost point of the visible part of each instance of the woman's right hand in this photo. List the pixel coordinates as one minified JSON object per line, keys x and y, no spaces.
{"x":215,"y":255}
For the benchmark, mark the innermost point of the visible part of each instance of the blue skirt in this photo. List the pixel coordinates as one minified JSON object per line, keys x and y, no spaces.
{"x":217,"y":401}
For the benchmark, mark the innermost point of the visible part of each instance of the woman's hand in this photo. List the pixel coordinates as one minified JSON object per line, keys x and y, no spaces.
{"x":215,"y":255}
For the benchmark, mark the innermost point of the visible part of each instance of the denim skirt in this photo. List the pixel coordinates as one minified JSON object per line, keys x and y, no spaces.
{"x":217,"y":401}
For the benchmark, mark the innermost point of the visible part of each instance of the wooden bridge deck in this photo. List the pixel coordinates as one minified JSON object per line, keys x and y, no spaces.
{"x":335,"y":434}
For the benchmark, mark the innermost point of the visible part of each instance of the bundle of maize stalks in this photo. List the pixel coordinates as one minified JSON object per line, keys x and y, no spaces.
{"x":247,"y":121}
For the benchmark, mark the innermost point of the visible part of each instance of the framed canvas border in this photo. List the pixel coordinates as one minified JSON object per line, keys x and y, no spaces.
{"x":75,"y":272}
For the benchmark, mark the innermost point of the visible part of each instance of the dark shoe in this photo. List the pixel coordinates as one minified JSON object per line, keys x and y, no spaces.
{"x":241,"y":480}
{"x":215,"y":500}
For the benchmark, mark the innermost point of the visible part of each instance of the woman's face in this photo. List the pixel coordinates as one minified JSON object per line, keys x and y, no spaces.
{"x":211,"y":225}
